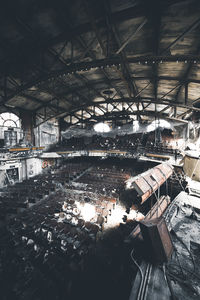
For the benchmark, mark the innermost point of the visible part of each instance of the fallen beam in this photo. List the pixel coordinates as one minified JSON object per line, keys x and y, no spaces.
{"x":157,"y":210}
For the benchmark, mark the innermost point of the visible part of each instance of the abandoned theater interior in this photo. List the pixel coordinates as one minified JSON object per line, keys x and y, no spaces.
{"x":100,"y":149}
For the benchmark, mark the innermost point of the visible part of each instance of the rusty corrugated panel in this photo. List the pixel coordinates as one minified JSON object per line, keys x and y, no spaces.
{"x":157,"y":210}
{"x":157,"y":237}
{"x":147,"y":183}
{"x":165,"y":169}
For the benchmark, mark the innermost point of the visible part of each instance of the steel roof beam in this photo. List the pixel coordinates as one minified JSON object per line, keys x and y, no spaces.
{"x":181,"y":36}
{"x":145,"y":100}
{"x":129,"y":113}
{"x":102,"y":63}
{"x":127,"y":41}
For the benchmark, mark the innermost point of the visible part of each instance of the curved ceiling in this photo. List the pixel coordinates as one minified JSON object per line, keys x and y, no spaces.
{"x":86,"y":60}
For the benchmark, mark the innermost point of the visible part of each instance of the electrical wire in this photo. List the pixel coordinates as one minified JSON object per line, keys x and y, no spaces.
{"x":187,"y":270}
{"x":166,"y":187}
{"x":158,"y":203}
{"x":138,"y":266}
{"x":176,"y":252}
{"x":185,"y":276}
{"x":179,"y":181}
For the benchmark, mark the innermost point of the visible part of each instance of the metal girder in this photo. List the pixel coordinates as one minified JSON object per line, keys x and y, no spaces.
{"x":126,"y":42}
{"x":136,"y":78}
{"x":64,"y":84}
{"x":110,"y":117}
{"x":147,"y":105}
{"x":123,"y":72}
{"x":67,"y":35}
{"x":101,"y":108}
{"x":98,"y":37}
{"x":188,"y":115}
{"x":186,"y":94}
{"x":91,"y":54}
{"x":154,"y":17}
{"x":189,"y":68}
{"x":92,"y":19}
{"x":56,"y":57}
{"x":164,"y":109}
{"x":107,"y":79}
{"x":181,"y":36}
{"x":79,"y":77}
{"x":36,"y":100}
{"x":170,"y":91}
{"x":130,"y":106}
{"x":196,"y":101}
{"x":184,"y":114}
{"x":56,"y":96}
{"x":13,"y":110}
{"x":115,"y":107}
{"x":119,"y":16}
{"x":87,"y":49}
{"x":89,"y":84}
{"x":103,"y":63}
{"x":147,"y":100}
{"x":186,"y":75}
{"x":125,"y":69}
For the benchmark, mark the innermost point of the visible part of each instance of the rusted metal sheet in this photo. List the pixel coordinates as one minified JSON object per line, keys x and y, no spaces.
{"x":157,"y":237}
{"x":148,"y":182}
{"x":157,"y":210}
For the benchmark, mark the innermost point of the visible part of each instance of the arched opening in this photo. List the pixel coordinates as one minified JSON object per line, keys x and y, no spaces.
{"x":10,"y":129}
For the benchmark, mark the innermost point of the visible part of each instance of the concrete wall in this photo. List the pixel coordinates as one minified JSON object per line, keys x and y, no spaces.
{"x":27,"y":167}
{"x":31,"y":167}
{"x":46,"y":134}
{"x":191,"y":167}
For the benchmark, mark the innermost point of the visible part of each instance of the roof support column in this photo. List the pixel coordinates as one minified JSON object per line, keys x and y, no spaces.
{"x":28,"y":120}
{"x":59,"y":130}
{"x":186,"y":93}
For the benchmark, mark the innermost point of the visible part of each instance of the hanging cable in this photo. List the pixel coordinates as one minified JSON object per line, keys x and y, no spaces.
{"x":179,"y":181}
{"x":138,"y":266}
{"x":158,"y":203}
{"x":166,"y":187}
